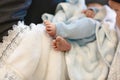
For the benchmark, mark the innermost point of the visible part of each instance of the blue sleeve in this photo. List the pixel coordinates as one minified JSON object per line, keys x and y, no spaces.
{"x":78,"y":29}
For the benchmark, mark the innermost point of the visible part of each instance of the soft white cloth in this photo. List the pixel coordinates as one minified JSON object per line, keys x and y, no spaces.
{"x":26,"y":54}
{"x":29,"y":56}
{"x":114,"y":73}
{"x":92,"y":60}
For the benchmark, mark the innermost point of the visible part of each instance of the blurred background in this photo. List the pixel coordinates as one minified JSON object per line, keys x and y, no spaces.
{"x":38,"y":7}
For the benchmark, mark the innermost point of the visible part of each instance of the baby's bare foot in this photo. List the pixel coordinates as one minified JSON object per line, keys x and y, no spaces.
{"x":46,"y":22}
{"x":60,"y":44}
{"x":50,"y":28}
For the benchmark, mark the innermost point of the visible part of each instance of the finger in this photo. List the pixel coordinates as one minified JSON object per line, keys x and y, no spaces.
{"x":46,"y":22}
{"x":54,"y":44}
{"x":48,"y":26}
{"x":48,"y":30}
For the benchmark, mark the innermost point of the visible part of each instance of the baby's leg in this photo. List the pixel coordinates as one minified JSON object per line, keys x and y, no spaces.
{"x":50,"y":28}
{"x":60,"y":44}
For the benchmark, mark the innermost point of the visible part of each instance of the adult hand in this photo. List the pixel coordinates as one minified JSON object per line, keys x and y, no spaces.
{"x":116,"y":6}
{"x":118,"y":19}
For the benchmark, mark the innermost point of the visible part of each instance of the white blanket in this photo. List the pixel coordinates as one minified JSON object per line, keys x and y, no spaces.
{"x":92,"y":61}
{"x":28,"y":55}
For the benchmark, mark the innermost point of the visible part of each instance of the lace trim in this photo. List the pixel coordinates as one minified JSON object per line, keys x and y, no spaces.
{"x":6,"y":73}
{"x":13,"y":39}
{"x":9,"y":44}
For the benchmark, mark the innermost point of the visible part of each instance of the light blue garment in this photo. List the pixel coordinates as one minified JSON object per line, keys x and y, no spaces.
{"x":78,"y":2}
{"x":82,"y":30}
{"x":73,"y":25}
